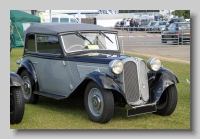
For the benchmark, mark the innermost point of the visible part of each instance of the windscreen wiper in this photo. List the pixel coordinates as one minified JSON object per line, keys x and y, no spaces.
{"x":105,"y":36}
{"x":83,"y":37}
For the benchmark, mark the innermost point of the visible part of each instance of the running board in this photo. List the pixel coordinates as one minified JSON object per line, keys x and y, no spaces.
{"x":137,"y":110}
{"x":57,"y":97}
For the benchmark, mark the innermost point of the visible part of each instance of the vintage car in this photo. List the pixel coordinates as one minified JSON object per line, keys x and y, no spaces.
{"x":62,"y":59}
{"x":177,"y":32}
{"x":17,"y":102}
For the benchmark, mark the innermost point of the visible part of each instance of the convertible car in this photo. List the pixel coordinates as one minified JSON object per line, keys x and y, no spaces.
{"x":62,"y":59}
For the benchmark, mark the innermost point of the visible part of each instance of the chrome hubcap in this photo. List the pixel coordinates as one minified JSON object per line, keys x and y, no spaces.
{"x":27,"y":87}
{"x":95,"y":102}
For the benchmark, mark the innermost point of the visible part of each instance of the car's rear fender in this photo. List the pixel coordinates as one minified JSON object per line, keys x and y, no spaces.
{"x":27,"y":65}
{"x":15,"y":80}
{"x":159,"y":81}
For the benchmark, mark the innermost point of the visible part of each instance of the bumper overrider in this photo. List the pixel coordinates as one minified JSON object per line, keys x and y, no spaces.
{"x":135,"y":86}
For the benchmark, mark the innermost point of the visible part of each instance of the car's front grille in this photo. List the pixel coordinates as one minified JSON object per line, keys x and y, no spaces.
{"x":131,"y":86}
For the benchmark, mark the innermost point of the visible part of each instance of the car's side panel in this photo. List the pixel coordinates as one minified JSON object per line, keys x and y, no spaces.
{"x":53,"y":76}
{"x":159,"y":81}
{"x":15,"y":80}
{"x":81,"y":69}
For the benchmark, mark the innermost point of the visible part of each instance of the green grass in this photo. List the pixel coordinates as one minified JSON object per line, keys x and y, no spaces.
{"x":71,"y":114}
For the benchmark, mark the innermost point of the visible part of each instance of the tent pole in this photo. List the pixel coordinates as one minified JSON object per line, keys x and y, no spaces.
{"x":19,"y":34}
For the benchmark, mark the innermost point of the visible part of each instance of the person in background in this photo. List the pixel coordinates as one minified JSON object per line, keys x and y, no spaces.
{"x":127,"y":25}
{"x":122,"y":25}
{"x":171,"y":21}
{"x":132,"y":24}
{"x":136,"y":25}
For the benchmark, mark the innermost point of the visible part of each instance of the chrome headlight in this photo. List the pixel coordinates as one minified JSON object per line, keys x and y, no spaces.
{"x":116,"y":66}
{"x":154,"y":64}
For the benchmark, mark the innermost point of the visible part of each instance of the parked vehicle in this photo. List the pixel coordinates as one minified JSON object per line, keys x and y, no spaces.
{"x":118,"y":25}
{"x":159,"y":26}
{"x":151,"y":26}
{"x":57,"y":18}
{"x":177,"y":32}
{"x":87,"y":59}
{"x":17,"y":103}
{"x":176,"y":20}
{"x":143,"y":26}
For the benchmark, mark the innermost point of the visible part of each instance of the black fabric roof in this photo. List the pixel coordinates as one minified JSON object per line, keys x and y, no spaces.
{"x":56,"y":28}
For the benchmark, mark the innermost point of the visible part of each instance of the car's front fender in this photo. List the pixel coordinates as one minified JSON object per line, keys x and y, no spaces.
{"x":103,"y":80}
{"x":159,"y":81}
{"x":15,"y":80}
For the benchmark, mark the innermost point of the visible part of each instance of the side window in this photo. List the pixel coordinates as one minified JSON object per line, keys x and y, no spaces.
{"x":48,"y":44}
{"x":73,"y":20}
{"x":64,"y":20}
{"x":30,"y":46}
{"x":55,"y":19}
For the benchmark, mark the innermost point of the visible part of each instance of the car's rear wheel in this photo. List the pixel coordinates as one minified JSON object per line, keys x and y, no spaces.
{"x":168,"y":101}
{"x":29,"y":96}
{"x":17,"y":105}
{"x":99,"y":103}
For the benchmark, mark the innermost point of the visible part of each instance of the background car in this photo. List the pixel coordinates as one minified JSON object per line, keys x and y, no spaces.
{"x":118,"y":25}
{"x":159,"y":26}
{"x":17,"y":103}
{"x":151,"y":26}
{"x":143,"y":26}
{"x":176,"y":20}
{"x":177,"y":32}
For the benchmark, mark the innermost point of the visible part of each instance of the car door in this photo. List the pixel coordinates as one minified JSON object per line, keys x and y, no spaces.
{"x":156,"y":26}
{"x":52,"y":71}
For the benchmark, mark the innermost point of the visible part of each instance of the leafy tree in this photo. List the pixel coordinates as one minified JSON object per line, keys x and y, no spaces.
{"x":180,"y":13}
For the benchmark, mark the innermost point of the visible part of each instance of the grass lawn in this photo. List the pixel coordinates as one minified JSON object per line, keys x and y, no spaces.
{"x":71,"y":114}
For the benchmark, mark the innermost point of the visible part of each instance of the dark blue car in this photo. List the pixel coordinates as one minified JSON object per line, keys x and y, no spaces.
{"x":87,"y":60}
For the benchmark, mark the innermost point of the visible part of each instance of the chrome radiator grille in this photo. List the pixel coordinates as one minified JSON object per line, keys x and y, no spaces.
{"x":131,"y":81}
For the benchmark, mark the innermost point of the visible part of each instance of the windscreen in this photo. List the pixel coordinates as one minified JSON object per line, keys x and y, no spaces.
{"x":162,"y":23}
{"x":184,"y":26}
{"x":152,"y":23}
{"x":90,"y":41}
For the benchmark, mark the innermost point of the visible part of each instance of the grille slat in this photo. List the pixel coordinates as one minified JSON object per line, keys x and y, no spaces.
{"x":131,"y":81}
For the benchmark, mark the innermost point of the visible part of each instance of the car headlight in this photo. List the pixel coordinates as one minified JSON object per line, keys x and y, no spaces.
{"x":154,"y":64}
{"x":116,"y":66}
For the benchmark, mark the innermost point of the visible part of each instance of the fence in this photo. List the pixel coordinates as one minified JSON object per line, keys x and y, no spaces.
{"x":145,"y":36}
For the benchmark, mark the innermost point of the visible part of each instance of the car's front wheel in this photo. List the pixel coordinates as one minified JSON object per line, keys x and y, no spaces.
{"x":99,"y":103}
{"x":17,"y":105}
{"x":167,"y":102}
{"x":29,"y":96}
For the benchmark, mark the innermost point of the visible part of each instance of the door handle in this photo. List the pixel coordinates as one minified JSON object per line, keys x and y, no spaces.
{"x":35,"y":62}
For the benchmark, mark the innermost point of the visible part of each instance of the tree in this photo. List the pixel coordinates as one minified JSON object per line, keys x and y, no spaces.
{"x":180,"y":13}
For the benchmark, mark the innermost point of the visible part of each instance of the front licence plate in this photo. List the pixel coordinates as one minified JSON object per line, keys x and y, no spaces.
{"x":141,"y":110}
{"x":186,"y":33}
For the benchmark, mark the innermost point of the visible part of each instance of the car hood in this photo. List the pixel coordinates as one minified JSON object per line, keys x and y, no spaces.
{"x":95,"y":59}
